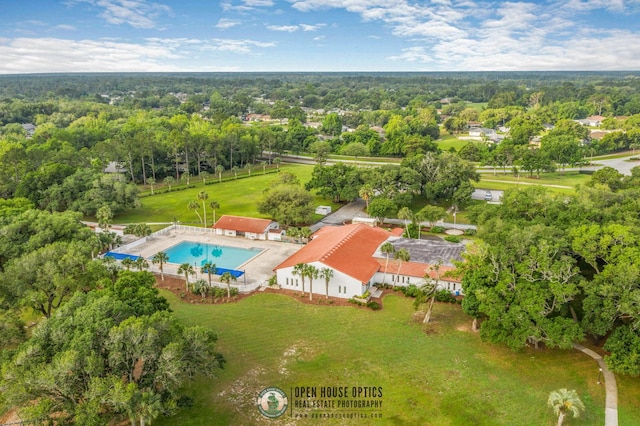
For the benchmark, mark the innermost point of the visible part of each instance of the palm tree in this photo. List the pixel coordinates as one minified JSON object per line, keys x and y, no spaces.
{"x":401,"y":255}
{"x":160,"y":258}
{"x":226,"y":278}
{"x":193,"y":206}
{"x":219,"y":170}
{"x":299,"y":269}
{"x":406,"y":214}
{"x":264,"y":167}
{"x":248,"y":166}
{"x":311,"y":272}
{"x":214,"y":206}
{"x":277,"y":162}
{"x":201,"y":287}
{"x":434,"y":284}
{"x":327,"y":274}
{"x":186,"y":269}
{"x":152,"y":182}
{"x":127,"y":262}
{"x":141,"y":263}
{"x":234,"y":169}
{"x":565,"y":401}
{"x":425,"y":291}
{"x":204,"y":175}
{"x":149,"y":407}
{"x":202,"y":196}
{"x":366,"y":192}
{"x":209,"y":268}
{"x":387,"y":248}
{"x":169,"y":181}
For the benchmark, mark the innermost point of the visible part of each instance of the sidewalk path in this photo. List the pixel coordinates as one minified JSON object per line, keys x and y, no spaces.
{"x":611,"y":388}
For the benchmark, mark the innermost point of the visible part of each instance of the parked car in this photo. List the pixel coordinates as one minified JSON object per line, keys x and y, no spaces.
{"x":488,"y":196}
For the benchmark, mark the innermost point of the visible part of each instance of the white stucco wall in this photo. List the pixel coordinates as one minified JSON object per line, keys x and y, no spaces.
{"x":402,"y":280}
{"x":341,"y":285}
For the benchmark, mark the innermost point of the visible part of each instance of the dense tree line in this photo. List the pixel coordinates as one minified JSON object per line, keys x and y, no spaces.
{"x":555,"y":269}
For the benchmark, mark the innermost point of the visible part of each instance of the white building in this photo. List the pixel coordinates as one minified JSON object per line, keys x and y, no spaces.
{"x":248,"y":227}
{"x":352,"y":252}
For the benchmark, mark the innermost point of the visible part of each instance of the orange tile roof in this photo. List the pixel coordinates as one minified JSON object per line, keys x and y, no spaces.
{"x":242,"y":224}
{"x":348,"y":249}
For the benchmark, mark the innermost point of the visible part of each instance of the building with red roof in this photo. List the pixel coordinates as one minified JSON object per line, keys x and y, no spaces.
{"x":352,"y":252}
{"x":249,"y":227}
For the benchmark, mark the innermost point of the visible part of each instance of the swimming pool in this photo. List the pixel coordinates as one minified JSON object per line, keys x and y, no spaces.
{"x":200,"y":253}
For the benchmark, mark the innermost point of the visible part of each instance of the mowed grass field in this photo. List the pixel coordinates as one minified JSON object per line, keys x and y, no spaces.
{"x":436,"y":374}
{"x":236,"y":197}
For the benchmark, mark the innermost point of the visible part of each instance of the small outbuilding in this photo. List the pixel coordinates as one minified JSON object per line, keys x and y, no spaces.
{"x":323,"y":210}
{"x":248,"y":227}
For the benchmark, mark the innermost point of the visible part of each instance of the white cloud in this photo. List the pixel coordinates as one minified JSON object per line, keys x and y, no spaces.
{"x":306,"y":27}
{"x":283,"y":28}
{"x":319,"y":38}
{"x":412,"y":54}
{"x":47,"y":55}
{"x":65,"y":27}
{"x":237,"y":46}
{"x":137,"y":13}
{"x":245,"y":5}
{"x":258,"y":3}
{"x":471,"y":35}
{"x":294,"y":28}
{"x":225,"y":23}
{"x":612,"y":5}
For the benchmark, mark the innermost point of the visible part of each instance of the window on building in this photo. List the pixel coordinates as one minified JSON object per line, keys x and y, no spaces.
{"x":287,"y":280}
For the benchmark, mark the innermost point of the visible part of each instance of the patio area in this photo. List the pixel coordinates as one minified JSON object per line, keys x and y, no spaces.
{"x":257,"y":270}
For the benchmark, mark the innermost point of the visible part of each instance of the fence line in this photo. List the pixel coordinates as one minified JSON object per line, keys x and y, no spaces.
{"x":242,"y":288}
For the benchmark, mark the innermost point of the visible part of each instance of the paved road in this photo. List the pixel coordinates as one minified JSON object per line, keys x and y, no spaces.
{"x":357,"y":209}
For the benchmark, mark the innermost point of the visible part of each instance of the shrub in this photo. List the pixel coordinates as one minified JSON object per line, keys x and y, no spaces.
{"x":410,"y":291}
{"x":184,"y":401}
{"x":356,"y":302}
{"x":373,"y":306}
{"x":234,"y":291}
{"x":438,"y":229}
{"x":453,"y":238}
{"x":470,"y":231}
{"x":445,"y":296}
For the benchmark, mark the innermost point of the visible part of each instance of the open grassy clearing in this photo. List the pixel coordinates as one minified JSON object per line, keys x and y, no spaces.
{"x":555,"y":182}
{"x":236,"y":197}
{"x":440,"y":374}
{"x":447,"y":141}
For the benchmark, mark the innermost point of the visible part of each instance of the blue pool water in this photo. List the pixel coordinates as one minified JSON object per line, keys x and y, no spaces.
{"x":201,"y":253}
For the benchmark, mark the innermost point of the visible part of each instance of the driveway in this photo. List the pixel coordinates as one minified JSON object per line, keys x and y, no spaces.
{"x":343,"y":214}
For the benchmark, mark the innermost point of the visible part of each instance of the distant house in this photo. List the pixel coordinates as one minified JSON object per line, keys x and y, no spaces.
{"x":114,"y":167}
{"x":479,"y":132}
{"x":30,"y":128}
{"x":353,"y":254}
{"x":597,"y":134}
{"x":248,"y":227}
{"x":593,"y":121}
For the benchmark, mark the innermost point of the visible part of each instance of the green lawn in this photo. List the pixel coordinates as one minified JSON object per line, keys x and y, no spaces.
{"x":447,"y":141}
{"x":556,"y":182}
{"x":439,"y":374}
{"x":236,"y":197}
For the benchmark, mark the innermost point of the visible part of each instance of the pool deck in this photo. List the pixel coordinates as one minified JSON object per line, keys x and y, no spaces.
{"x":257,"y":270}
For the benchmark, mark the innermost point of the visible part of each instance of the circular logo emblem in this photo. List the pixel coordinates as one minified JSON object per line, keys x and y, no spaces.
{"x":272,"y":402}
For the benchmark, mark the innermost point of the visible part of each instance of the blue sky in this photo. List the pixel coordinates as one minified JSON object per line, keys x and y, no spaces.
{"x":39,"y":36}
